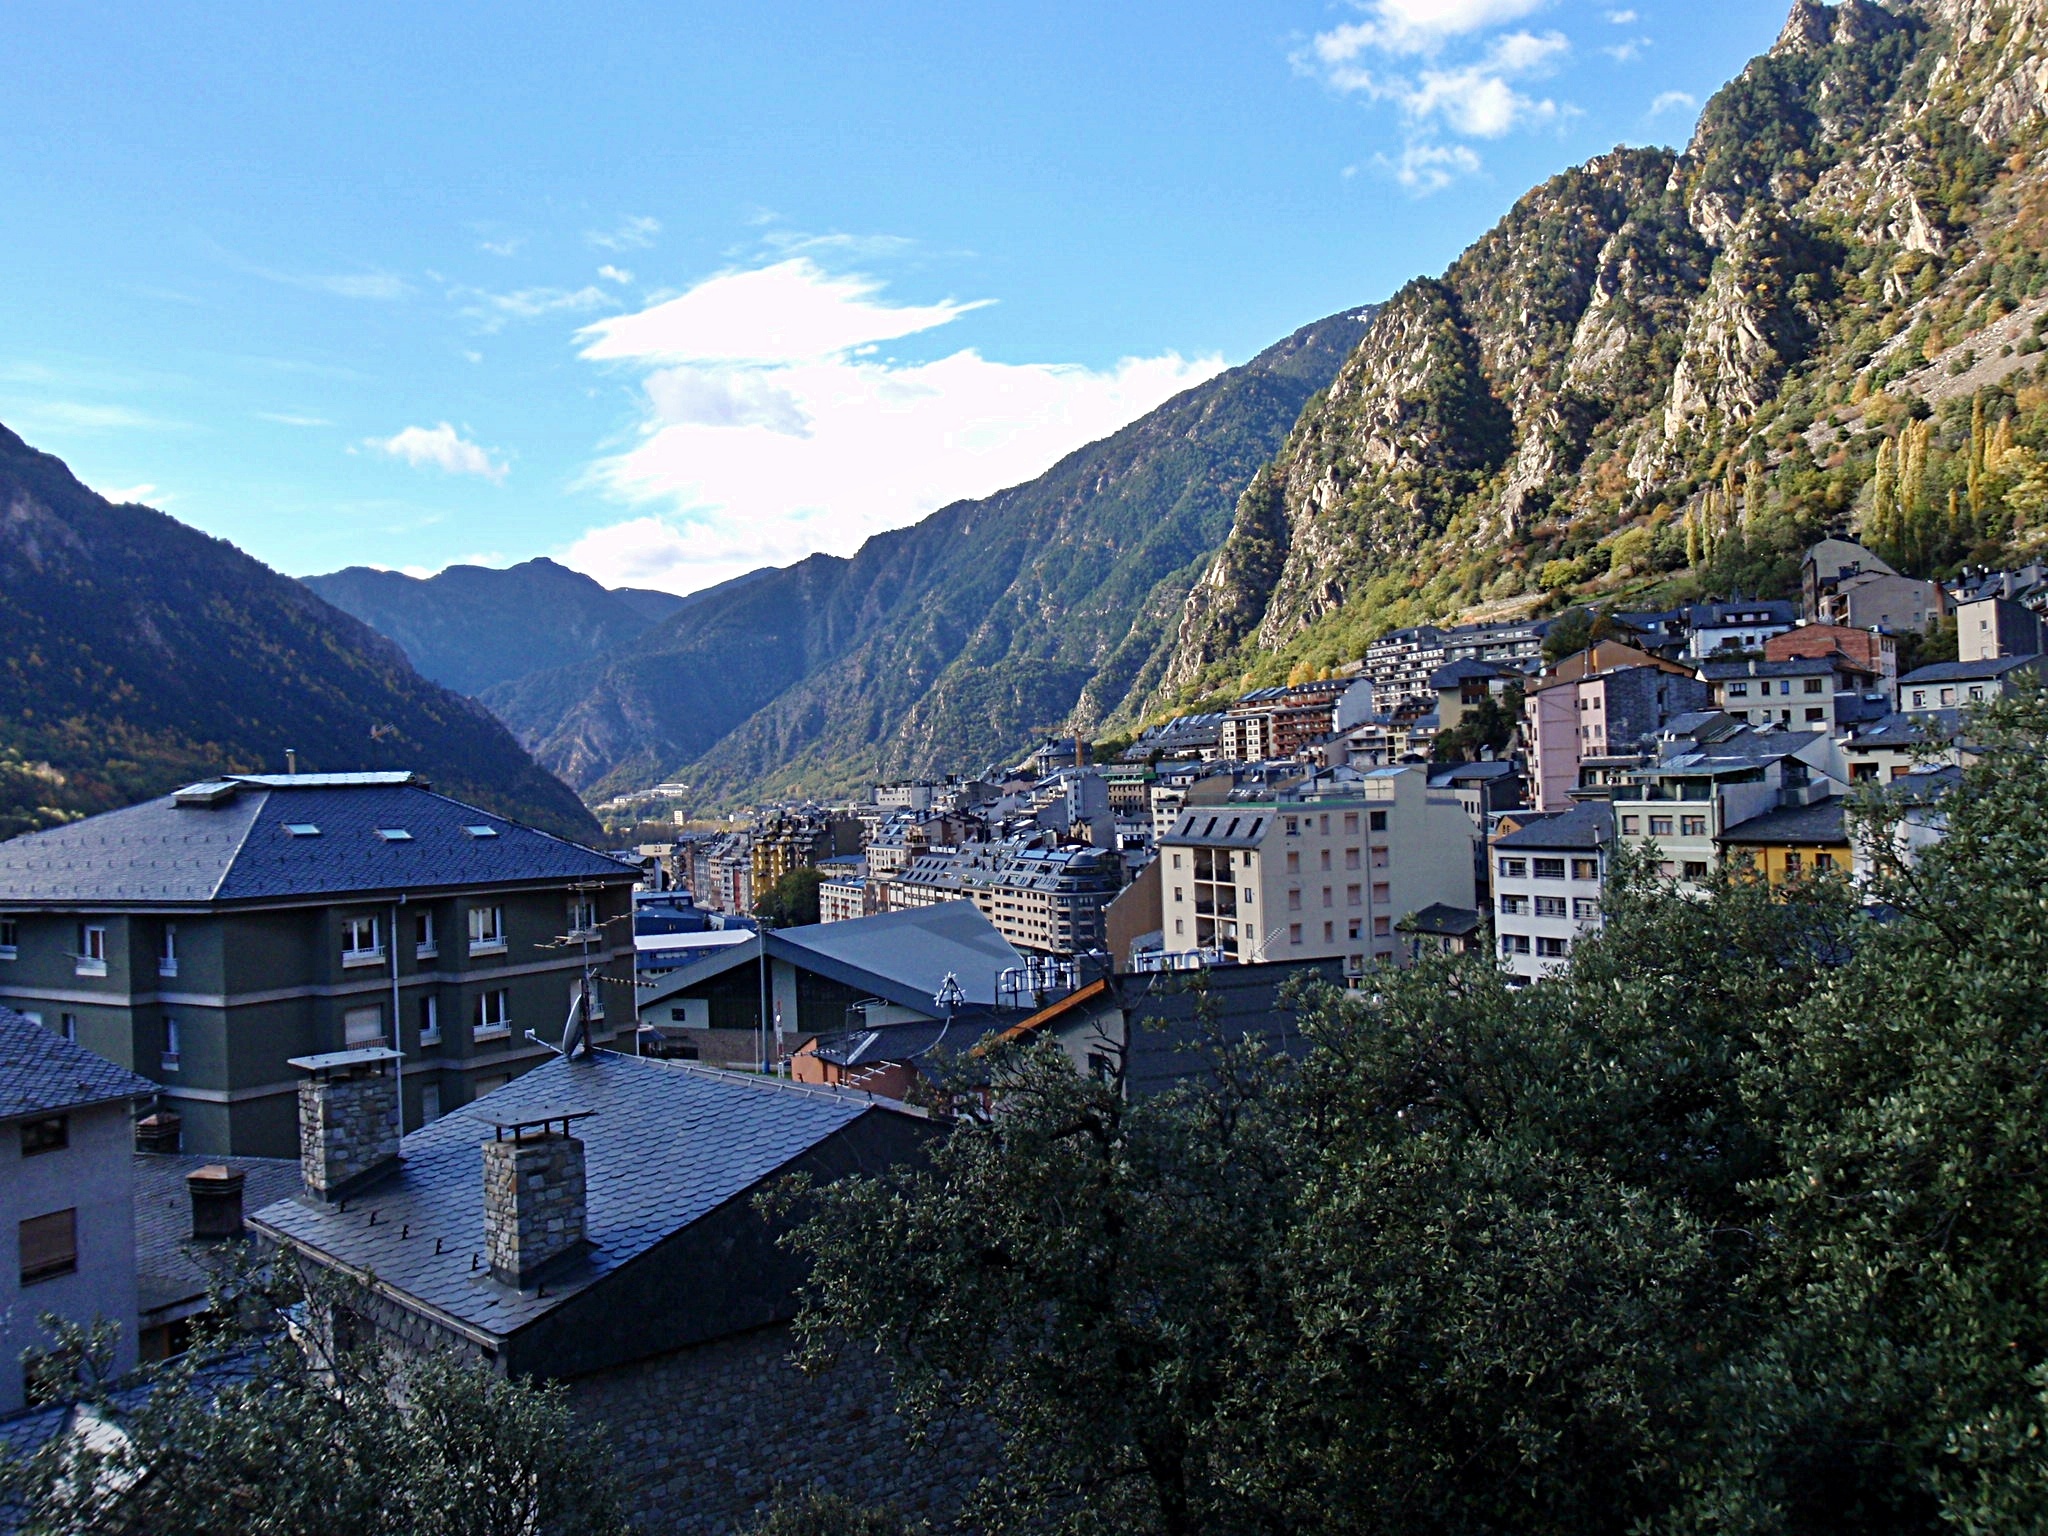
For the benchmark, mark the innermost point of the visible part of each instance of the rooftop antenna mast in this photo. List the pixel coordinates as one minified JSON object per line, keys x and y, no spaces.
{"x":291,"y":760}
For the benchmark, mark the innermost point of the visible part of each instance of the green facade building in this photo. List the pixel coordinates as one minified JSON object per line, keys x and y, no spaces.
{"x":205,"y":938}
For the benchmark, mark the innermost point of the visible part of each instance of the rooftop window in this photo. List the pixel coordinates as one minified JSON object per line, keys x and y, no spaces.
{"x":394,"y":834}
{"x":481,"y":831}
{"x":302,"y":829}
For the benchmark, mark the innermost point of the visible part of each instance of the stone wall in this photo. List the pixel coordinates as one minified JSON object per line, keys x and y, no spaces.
{"x":348,"y":1124}
{"x":704,"y":1437}
{"x":534,"y":1206}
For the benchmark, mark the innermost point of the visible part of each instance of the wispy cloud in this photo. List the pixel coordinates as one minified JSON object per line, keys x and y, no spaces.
{"x":1448,"y":70}
{"x":491,"y":311}
{"x":83,"y":416}
{"x":612,"y":274}
{"x":286,"y":419}
{"x":442,"y":448}
{"x":1622,"y":18}
{"x":774,"y":422}
{"x":126,"y":495}
{"x":635,"y":233}
{"x":509,"y":246}
{"x":1673,"y":101}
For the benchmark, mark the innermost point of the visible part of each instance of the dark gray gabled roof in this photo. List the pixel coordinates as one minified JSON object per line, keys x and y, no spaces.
{"x":1971,"y":671}
{"x":41,"y":1073}
{"x":1923,"y":727}
{"x":905,"y":957}
{"x":665,"y":1144}
{"x":1820,"y":822}
{"x":240,"y":847}
{"x":1587,"y":825}
{"x":172,"y":1272}
{"x":1441,"y":920}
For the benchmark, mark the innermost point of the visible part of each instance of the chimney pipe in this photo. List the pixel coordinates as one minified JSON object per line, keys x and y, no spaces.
{"x":216,"y":1202}
{"x":162,"y":1131}
{"x":348,"y":1120}
{"x":536,"y":1204}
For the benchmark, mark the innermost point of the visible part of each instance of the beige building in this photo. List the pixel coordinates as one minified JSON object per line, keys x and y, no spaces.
{"x":1309,"y":879}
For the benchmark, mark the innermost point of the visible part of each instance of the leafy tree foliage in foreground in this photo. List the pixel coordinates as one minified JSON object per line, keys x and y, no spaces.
{"x":1738,"y":1226}
{"x":239,"y":1436}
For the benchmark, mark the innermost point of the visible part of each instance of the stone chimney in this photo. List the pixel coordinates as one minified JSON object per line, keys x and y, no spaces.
{"x":216,"y":1202}
{"x":348,"y":1120}
{"x":535,"y":1205}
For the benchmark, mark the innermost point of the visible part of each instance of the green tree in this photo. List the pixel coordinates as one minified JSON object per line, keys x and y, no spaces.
{"x":792,"y":901}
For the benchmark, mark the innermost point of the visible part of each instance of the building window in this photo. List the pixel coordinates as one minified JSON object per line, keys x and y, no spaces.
{"x":1631,"y":825}
{"x":582,"y":917}
{"x":1738,"y":690}
{"x":1355,"y":929}
{"x":1329,"y":896}
{"x":430,"y":1103}
{"x":1550,"y":949}
{"x":1294,"y":933}
{"x":1381,"y":894}
{"x":1377,"y":821}
{"x":1695,"y":869}
{"x":1351,"y":858}
{"x":10,"y":938}
{"x":52,"y":1133}
{"x":1792,"y":861}
{"x":1948,"y":697}
{"x":426,"y":936}
{"x":167,"y":953}
{"x":1179,"y":926}
{"x":1520,"y":941}
{"x":67,"y":1026}
{"x":1693,"y":826}
{"x":1660,"y":826}
{"x":430,"y":1020}
{"x":359,"y":944}
{"x":494,"y":1014}
{"x":174,"y":1045}
{"x":49,"y":1246}
{"x":1976,"y":693}
{"x":1383,"y":927}
{"x":1329,"y":933}
{"x":1814,"y":684}
{"x":1586,"y":908}
{"x":1293,"y":826}
{"x":1550,"y":906}
{"x":1919,"y":698}
{"x":596,"y":997}
{"x":1585,"y":869}
{"x":1354,"y":896}
{"x":1549,"y":869}
{"x":1514,"y":906}
{"x":1823,"y":861}
{"x":1514,"y":869}
{"x":486,"y":929}
{"x":92,"y":950}
{"x":362,"y":1026}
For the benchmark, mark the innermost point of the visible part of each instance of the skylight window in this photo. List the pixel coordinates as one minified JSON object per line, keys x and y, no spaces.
{"x":481,"y":831}
{"x":394,"y":834}
{"x":302,"y":829}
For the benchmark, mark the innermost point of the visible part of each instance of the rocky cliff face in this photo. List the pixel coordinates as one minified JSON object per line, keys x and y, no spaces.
{"x":1636,"y":326}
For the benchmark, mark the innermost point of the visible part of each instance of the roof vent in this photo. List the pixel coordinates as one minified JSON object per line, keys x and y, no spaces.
{"x":211,"y":793}
{"x":481,"y":831}
{"x":302,"y":829}
{"x":394,"y":834}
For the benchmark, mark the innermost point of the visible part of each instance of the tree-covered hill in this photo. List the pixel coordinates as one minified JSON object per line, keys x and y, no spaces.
{"x":137,"y":654}
{"x":470,"y":626}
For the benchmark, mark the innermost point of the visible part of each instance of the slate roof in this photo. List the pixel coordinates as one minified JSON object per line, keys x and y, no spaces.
{"x":1791,"y":666}
{"x":1746,"y":748}
{"x":1468,"y":671}
{"x":1970,"y":671}
{"x":1821,"y":822}
{"x":905,"y":956}
{"x":240,"y":849}
{"x":1909,"y":730}
{"x":169,"y":1270}
{"x":1741,"y":613}
{"x":42,"y":1073}
{"x":1588,"y":824}
{"x":1472,"y":773}
{"x":666,"y":1144}
{"x":916,"y":1040}
{"x":1167,"y":1029}
{"x":1441,"y":920}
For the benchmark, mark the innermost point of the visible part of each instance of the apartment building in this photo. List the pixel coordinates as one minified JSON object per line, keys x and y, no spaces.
{"x":1323,"y":877}
{"x":1959,"y":684}
{"x":1807,"y":693}
{"x":1043,"y":900}
{"x":1698,"y":791}
{"x":1872,"y":650}
{"x":205,"y":938}
{"x":1718,"y":628}
{"x":1599,"y":704}
{"x":1547,"y":875}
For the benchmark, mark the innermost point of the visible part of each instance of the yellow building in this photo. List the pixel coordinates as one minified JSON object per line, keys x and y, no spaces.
{"x":1791,"y":842}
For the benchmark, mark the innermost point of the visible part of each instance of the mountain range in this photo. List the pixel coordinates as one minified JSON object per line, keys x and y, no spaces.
{"x":1658,"y":377}
{"x":141,"y":654}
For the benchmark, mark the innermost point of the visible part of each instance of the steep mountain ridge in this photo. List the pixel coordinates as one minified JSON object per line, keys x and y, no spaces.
{"x":141,"y":654}
{"x":471,"y":626}
{"x":1635,"y":342}
{"x":944,"y":643}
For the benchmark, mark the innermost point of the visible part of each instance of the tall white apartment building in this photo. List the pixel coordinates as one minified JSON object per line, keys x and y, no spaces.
{"x":1314,"y":879}
{"x":1547,"y":876}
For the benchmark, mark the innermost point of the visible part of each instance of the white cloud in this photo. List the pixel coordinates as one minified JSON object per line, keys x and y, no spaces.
{"x":1622,"y":18}
{"x":1431,"y":167}
{"x":284,"y":419}
{"x":442,"y":448}
{"x":1673,"y":101}
{"x":635,"y":233}
{"x":773,"y":425}
{"x":1477,"y":100}
{"x":1628,"y":52}
{"x":123,"y":495}
{"x":509,"y":246}
{"x":491,"y":311}
{"x":612,"y":274}
{"x":1415,"y":26}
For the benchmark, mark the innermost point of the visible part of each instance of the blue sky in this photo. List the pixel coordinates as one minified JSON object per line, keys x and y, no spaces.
{"x":672,"y":291}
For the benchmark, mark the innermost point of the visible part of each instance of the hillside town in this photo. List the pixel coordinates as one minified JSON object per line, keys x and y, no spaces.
{"x":239,"y":1008}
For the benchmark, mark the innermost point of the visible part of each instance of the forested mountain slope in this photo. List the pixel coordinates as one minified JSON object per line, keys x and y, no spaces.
{"x":471,"y":626}
{"x":946,"y":644}
{"x":1662,"y":374}
{"x":137,"y":654}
